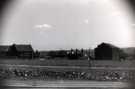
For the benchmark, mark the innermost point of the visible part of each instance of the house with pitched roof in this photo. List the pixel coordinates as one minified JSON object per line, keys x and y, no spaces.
{"x":4,"y":51}
{"x":106,"y":51}
{"x":21,"y":51}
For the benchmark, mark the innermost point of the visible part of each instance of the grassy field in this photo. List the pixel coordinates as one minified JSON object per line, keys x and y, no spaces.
{"x":65,"y":62}
{"x":68,"y":84}
{"x":59,"y":62}
{"x":66,"y":73}
{"x":60,"y":88}
{"x":95,"y":70}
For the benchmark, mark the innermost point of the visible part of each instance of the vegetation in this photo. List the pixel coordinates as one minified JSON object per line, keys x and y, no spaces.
{"x":29,"y":73}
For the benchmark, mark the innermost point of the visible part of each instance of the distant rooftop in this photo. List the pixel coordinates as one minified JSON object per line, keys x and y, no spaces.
{"x":23,"y":47}
{"x":4,"y":48}
{"x":108,"y":44}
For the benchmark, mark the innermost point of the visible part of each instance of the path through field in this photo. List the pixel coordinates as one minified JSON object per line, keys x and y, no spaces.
{"x":62,"y":84}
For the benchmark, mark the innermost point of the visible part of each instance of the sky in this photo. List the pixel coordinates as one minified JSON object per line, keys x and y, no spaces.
{"x":65,"y":24}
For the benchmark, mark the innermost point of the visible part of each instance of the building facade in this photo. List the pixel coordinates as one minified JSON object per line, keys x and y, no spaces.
{"x":21,"y":51}
{"x":106,"y":51}
{"x":4,"y":51}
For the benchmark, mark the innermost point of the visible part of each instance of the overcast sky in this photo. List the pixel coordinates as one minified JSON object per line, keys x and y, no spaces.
{"x":65,"y":24}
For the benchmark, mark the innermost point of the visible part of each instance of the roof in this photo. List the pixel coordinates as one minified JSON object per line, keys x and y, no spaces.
{"x":4,"y":48}
{"x":108,"y":44}
{"x":23,"y":47}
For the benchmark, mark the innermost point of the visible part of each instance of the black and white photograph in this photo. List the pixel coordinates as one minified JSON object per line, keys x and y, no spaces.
{"x":67,"y":44}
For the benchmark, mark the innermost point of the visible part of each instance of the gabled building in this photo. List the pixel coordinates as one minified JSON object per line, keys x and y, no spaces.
{"x":4,"y":49}
{"x":21,"y":51}
{"x":106,"y":51}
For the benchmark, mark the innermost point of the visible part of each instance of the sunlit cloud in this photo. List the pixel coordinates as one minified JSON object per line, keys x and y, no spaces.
{"x":86,"y":21}
{"x":116,"y":13}
{"x":43,"y":26}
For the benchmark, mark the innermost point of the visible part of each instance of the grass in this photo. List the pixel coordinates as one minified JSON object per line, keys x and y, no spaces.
{"x":65,"y":66}
{"x":49,"y":62}
{"x":66,"y":62}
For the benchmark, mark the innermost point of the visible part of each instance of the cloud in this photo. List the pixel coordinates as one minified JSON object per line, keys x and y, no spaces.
{"x":86,"y":21}
{"x":43,"y":26}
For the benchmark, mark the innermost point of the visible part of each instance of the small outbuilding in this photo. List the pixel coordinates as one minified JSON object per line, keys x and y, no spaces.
{"x":21,"y":51}
{"x":106,"y":51}
{"x":4,"y":49}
